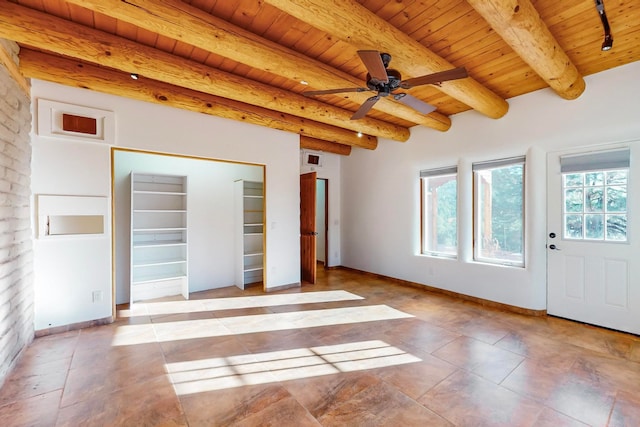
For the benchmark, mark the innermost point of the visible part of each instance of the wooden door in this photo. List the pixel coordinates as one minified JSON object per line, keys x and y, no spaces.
{"x":592,"y":268}
{"x":308,"y":227}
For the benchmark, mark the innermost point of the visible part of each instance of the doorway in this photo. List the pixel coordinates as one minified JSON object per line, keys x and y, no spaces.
{"x":314,"y":225}
{"x":211,"y":261}
{"x":592,"y":238}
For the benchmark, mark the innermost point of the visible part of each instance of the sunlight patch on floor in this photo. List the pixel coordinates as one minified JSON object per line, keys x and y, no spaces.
{"x":231,"y":303}
{"x":221,"y":373}
{"x":204,"y":328}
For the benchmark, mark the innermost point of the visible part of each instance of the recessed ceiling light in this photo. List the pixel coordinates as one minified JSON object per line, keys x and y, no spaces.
{"x":304,"y":82}
{"x":359,"y":134}
{"x":134,"y":76}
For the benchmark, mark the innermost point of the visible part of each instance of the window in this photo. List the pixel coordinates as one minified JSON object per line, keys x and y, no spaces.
{"x":499,"y":211}
{"x":594,"y":188}
{"x":439,"y":211}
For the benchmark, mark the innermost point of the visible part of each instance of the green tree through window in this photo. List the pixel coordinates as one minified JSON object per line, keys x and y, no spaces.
{"x":439,"y":212}
{"x":506,"y":215}
{"x":499,"y":211}
{"x":447,"y":226}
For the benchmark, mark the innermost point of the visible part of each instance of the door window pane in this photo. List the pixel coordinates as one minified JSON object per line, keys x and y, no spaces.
{"x":573,"y":200}
{"x":602,"y":213}
{"x":617,"y":199}
{"x":594,"y":178}
{"x":617,"y":227}
{"x":594,"y":227}
{"x":616,"y":177}
{"x":573,"y":180}
{"x":593,"y":199}
{"x":573,"y":226}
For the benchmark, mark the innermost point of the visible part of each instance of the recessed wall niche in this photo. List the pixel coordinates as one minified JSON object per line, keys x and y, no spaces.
{"x":60,"y":120}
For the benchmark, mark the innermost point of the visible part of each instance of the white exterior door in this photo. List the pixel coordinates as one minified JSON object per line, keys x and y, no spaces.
{"x":593,"y":234}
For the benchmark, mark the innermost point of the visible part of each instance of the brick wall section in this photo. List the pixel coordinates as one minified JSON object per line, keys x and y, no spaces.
{"x":16,"y":257}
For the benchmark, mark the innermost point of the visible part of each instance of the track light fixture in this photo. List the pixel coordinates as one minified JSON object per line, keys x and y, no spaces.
{"x":607,"y":44}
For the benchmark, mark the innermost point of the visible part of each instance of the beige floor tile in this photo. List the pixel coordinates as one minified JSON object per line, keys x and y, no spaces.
{"x":40,"y":410}
{"x":485,"y":360}
{"x":466,"y":399}
{"x":583,"y":400}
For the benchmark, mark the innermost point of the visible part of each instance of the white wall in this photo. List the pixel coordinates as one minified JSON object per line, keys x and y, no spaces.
{"x":63,"y":288}
{"x":210,"y":214}
{"x":330,"y":170}
{"x":63,"y":166}
{"x":380,"y":189}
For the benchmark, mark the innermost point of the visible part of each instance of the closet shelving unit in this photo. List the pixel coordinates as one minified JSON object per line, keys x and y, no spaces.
{"x":249,"y":241}
{"x":158,"y":236}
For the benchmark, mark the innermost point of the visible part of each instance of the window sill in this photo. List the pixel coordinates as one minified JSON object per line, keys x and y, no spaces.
{"x":438,"y":256}
{"x":498,"y":264}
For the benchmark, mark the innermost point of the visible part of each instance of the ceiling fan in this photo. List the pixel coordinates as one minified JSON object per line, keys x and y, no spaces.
{"x":385,"y":81}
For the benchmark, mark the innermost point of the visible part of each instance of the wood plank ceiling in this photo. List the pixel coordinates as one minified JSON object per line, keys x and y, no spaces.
{"x":246,"y":59}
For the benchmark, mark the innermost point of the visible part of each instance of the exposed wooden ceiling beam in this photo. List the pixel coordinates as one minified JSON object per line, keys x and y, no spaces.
{"x":70,"y":72}
{"x":180,"y":21}
{"x":520,"y":25}
{"x":326,"y":146}
{"x":355,"y":24}
{"x":43,"y":31}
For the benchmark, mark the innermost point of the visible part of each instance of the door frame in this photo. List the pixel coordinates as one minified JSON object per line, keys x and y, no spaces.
{"x":326,"y":219}
{"x":116,"y":226}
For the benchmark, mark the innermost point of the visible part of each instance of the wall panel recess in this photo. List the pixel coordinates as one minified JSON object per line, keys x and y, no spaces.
{"x":75,"y":122}
{"x":71,"y":216}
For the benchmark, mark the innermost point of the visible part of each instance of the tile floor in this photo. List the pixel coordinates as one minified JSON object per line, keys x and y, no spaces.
{"x":349,"y":351}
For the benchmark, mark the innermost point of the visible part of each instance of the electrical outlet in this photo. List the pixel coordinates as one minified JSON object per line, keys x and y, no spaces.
{"x":97,"y":296}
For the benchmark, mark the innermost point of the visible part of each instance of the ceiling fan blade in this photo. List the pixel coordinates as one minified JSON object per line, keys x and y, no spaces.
{"x":373,"y":62}
{"x":442,"y":76}
{"x":415,"y":103}
{"x":365,"y":107}
{"x":330,"y":91}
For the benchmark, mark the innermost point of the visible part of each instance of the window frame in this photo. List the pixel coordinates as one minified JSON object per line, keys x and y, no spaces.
{"x":600,"y":161}
{"x":477,"y":230}
{"x":424,"y":230}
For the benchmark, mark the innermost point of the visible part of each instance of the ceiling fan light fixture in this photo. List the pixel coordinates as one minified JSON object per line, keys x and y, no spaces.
{"x":607,"y":44}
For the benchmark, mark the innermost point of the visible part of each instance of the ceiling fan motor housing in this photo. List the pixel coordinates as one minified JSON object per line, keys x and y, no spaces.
{"x":384,"y":89}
